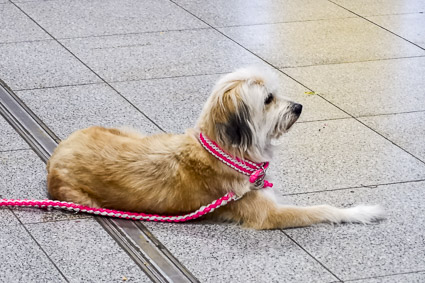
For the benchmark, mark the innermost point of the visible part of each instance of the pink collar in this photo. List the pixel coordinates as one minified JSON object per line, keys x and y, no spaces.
{"x":255,"y":171}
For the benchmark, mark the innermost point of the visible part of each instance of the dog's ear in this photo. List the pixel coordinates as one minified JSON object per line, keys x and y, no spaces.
{"x":237,"y":131}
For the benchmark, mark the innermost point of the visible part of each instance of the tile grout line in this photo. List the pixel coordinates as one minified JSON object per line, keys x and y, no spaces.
{"x":40,"y":247}
{"x":271,"y":65}
{"x":57,"y":86}
{"x":84,"y":64}
{"x":387,"y":275}
{"x":353,"y":62}
{"x":355,"y":187}
{"x":364,"y":18}
{"x":12,"y":150}
{"x":314,"y":258}
{"x":390,"y":114}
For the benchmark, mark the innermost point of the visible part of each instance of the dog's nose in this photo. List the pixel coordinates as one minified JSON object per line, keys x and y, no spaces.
{"x":297,"y":108}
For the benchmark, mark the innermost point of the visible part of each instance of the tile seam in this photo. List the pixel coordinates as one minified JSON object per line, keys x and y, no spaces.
{"x":353,"y":62}
{"x":386,"y":275}
{"x":12,"y":150}
{"x":356,"y":187}
{"x":309,"y":254}
{"x":366,"y":19}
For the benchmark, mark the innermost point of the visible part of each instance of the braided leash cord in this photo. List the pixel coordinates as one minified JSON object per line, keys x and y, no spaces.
{"x":47,"y":204}
{"x":246,"y":167}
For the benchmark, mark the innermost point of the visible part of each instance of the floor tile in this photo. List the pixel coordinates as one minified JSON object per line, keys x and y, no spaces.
{"x":395,"y":245}
{"x":229,"y":253}
{"x":229,"y":13}
{"x":22,"y":260}
{"x":382,"y":7}
{"x":9,"y":139}
{"x":321,"y":42}
{"x":369,"y":88}
{"x":327,"y":155}
{"x":416,"y":277}
{"x":181,"y":99}
{"x":22,"y":175}
{"x":80,"y":18}
{"x":406,"y":130}
{"x":84,"y":252}
{"x":7,"y":217}
{"x":67,"y":109}
{"x":408,"y":26}
{"x":16,"y":26}
{"x":161,"y":54}
{"x":40,"y":64}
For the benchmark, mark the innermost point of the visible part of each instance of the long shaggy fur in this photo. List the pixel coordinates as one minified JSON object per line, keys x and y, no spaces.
{"x":173,"y":174}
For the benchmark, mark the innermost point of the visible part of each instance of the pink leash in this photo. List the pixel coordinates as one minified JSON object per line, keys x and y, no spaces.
{"x":48,"y":204}
{"x":256,"y":171}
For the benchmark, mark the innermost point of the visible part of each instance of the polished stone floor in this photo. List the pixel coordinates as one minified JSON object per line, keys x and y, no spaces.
{"x":151,"y":65}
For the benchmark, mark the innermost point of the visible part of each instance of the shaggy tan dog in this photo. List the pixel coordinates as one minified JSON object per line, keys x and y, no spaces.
{"x":171,"y":174}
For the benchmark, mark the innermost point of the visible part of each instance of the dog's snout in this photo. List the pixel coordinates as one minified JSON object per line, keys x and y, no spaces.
{"x":297,"y":108}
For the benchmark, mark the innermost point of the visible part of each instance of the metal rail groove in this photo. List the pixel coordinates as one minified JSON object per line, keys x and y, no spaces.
{"x":133,"y":237}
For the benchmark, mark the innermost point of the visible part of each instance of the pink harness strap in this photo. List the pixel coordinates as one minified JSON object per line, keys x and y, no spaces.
{"x":255,"y":171}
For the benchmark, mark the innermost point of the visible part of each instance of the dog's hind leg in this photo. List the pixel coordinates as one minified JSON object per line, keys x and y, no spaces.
{"x":60,"y":190}
{"x":257,"y":211}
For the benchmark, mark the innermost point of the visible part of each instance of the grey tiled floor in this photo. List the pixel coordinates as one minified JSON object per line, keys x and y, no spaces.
{"x":151,"y":64}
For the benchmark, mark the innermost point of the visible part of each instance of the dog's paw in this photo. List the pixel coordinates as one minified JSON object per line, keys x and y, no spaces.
{"x":364,"y":214}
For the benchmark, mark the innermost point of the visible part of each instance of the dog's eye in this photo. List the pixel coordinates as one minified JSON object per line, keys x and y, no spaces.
{"x":269,"y":99}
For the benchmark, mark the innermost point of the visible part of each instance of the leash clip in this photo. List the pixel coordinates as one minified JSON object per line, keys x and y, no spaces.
{"x":257,"y":178}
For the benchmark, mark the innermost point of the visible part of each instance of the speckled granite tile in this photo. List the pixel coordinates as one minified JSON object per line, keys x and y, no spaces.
{"x":16,"y":26}
{"x":78,"y":107}
{"x":40,"y":64}
{"x":84,"y":252}
{"x":7,"y":217}
{"x":23,"y":176}
{"x":382,"y":7}
{"x":406,"y":130}
{"x":22,"y":260}
{"x":9,"y":139}
{"x":368,"y":88}
{"x":160,"y":54}
{"x":80,"y":18}
{"x":335,"y":154}
{"x":321,"y":42}
{"x":181,"y":99}
{"x":395,"y":245}
{"x":408,"y":26}
{"x":416,"y":277}
{"x":229,"y":13}
{"x":227,"y":253}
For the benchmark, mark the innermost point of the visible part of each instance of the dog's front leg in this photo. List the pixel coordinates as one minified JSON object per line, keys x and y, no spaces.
{"x":257,"y":210}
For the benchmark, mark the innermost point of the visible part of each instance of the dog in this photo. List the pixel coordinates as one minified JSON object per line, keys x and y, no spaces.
{"x":174,"y":174}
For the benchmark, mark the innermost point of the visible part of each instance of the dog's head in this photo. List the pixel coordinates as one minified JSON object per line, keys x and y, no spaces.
{"x":246,"y":111}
